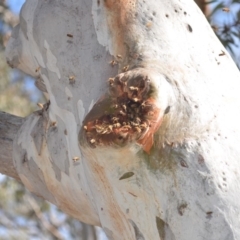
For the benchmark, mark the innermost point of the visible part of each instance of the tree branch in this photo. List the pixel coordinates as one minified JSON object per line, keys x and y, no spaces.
{"x":9,"y":126}
{"x":161,"y":140}
{"x":47,"y":225}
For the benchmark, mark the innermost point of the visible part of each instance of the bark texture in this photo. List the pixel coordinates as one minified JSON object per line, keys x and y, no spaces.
{"x":141,"y":131}
{"x":9,"y":125}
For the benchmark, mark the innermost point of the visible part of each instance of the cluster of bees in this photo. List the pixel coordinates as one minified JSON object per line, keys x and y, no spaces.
{"x":127,"y":118}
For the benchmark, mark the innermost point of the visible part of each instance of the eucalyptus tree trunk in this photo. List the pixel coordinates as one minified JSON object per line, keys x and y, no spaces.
{"x":141,"y":131}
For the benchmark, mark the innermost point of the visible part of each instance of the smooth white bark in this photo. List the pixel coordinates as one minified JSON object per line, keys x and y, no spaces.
{"x":187,"y":186}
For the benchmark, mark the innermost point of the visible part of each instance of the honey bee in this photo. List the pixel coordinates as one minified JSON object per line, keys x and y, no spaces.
{"x":99,"y":129}
{"x":215,"y":28}
{"x":127,"y":126}
{"x":110,"y":127}
{"x":75,"y":159}
{"x":115,"y":119}
{"x":149,"y":24}
{"x":134,"y":124}
{"x":122,"y":113}
{"x":125,"y":68}
{"x":111,"y":81}
{"x":151,"y":113}
{"x":71,"y":79}
{"x":132,"y":88}
{"x":144,"y":104}
{"x":37,"y":69}
{"x":105,"y":131}
{"x":53,"y":124}
{"x":138,"y":120}
{"x":222,"y":53}
{"x":135,"y":99}
{"x":113,"y":63}
{"x":124,"y":107}
{"x":226,"y":9}
{"x":144,"y":125}
{"x":40,"y":105}
{"x":138,"y":129}
{"x":116,"y":125}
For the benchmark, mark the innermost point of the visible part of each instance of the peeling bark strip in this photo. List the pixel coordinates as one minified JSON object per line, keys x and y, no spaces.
{"x":9,"y":126}
{"x":119,"y":17}
{"x":144,"y":86}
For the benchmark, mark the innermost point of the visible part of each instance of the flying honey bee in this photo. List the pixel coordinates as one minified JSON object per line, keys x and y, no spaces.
{"x":226,"y":9}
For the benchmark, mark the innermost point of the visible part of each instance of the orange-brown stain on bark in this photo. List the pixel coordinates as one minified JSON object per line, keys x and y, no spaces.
{"x":111,"y":207}
{"x":120,"y":14}
{"x":147,"y":140}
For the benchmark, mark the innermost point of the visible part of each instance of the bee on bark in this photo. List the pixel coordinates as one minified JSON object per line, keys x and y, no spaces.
{"x":75,"y":159}
{"x":71,"y":79}
{"x":125,"y":68}
{"x":40,"y":105}
{"x":113,"y":63}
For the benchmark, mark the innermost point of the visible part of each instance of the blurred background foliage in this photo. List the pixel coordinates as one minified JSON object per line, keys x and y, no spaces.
{"x":224,"y":18}
{"x":14,"y":98}
{"x":25,"y":216}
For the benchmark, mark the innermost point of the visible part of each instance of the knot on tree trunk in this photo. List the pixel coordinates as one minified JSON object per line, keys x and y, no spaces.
{"x":128,"y":112}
